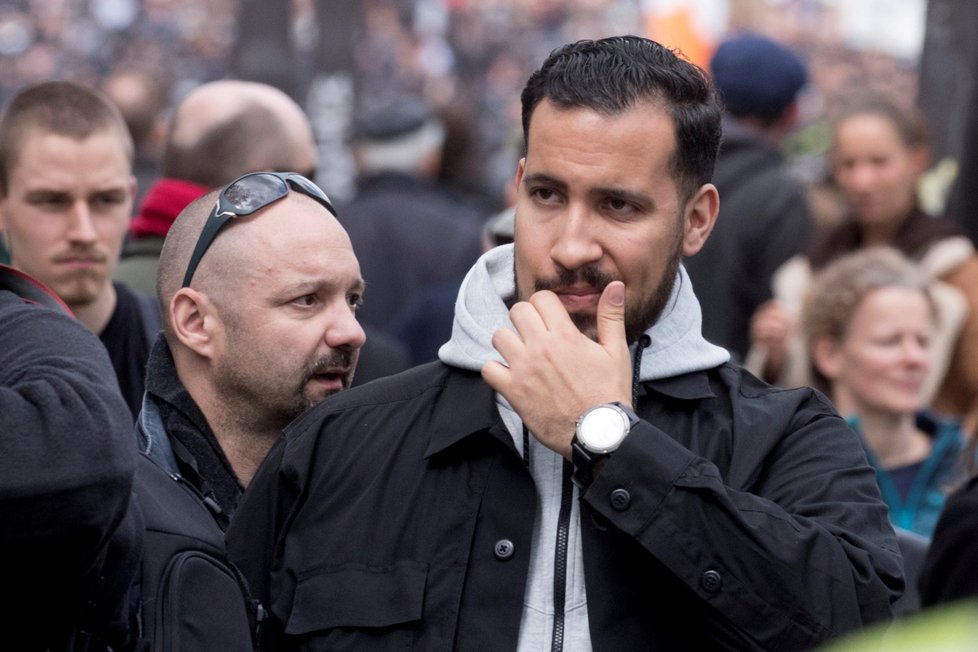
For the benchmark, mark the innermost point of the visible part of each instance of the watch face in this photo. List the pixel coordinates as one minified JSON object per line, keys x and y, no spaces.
{"x":602,"y":429}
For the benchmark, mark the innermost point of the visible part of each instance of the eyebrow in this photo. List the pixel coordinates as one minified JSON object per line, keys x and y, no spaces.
{"x":639,"y":198}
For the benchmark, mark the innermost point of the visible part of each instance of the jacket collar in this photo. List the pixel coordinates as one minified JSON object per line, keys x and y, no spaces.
{"x":692,"y":386}
{"x":470,"y":406}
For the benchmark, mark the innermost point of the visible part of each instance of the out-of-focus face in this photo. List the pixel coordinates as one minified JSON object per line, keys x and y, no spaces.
{"x":291,"y":334}
{"x":67,"y":211}
{"x":881,"y":363}
{"x":876,"y":170}
{"x":596,"y":202}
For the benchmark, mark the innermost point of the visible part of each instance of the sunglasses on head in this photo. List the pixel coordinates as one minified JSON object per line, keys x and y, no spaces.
{"x":244,"y":196}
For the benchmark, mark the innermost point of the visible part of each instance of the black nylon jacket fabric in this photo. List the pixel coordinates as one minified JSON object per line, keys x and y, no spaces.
{"x":381,"y":518}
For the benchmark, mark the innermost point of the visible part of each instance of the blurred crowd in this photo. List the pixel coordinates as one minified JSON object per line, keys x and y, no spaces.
{"x":469,"y":57}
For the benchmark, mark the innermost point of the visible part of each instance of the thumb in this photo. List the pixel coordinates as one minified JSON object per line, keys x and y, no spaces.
{"x":611,"y":316}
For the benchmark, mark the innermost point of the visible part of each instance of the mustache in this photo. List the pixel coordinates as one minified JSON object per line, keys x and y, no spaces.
{"x":86,"y":253}
{"x":337,"y":361}
{"x":587,"y":275}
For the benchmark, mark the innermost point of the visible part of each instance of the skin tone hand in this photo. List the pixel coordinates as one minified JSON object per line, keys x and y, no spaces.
{"x":554,"y":371}
{"x":770,"y":327}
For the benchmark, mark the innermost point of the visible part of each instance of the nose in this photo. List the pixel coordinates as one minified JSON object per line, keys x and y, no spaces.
{"x":344,"y":331}
{"x":861,"y":177}
{"x":916,"y":353}
{"x":575,"y":243}
{"x":81,"y":228}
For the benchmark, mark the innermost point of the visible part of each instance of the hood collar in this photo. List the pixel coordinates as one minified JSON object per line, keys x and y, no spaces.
{"x":677,"y":345}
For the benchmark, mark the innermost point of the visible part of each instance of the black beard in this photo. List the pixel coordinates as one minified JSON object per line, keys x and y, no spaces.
{"x":638,"y":318}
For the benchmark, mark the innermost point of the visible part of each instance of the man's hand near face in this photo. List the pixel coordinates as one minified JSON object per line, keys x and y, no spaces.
{"x":554,"y":371}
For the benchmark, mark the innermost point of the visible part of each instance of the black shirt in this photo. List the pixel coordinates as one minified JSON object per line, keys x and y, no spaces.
{"x":125,"y":339}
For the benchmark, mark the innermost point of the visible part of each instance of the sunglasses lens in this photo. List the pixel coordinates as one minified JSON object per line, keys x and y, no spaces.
{"x":307,"y":186}
{"x":255,"y":191}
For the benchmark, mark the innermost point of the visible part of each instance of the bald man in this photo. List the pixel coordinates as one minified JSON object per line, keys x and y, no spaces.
{"x":218,"y":132}
{"x":265,"y":328}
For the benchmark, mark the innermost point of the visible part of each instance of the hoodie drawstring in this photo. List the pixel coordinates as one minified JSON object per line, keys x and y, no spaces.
{"x":644,"y":341}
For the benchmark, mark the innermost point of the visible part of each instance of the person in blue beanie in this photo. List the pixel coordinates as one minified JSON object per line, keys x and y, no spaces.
{"x":765,"y":217}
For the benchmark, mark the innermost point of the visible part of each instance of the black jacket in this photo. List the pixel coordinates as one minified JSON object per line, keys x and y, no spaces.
{"x":173,"y":431}
{"x":407,"y":234}
{"x":950,"y":569}
{"x":69,"y":538}
{"x":399,"y":515}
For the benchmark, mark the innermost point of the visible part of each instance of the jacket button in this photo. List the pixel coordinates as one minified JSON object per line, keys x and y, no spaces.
{"x":503,"y":549}
{"x":621,"y":499}
{"x":711,"y":581}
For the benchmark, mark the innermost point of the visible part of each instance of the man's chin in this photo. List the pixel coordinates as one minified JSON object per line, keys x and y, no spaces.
{"x":587,"y":323}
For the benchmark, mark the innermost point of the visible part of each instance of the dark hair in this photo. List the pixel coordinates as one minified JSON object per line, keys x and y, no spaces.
{"x":906,"y":118}
{"x":614,"y":74}
{"x":59,"y":107}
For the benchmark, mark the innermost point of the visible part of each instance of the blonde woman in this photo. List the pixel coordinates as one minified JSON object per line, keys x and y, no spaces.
{"x":868,"y":321}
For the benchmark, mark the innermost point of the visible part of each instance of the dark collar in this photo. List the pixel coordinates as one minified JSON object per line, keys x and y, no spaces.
{"x":468,"y":405}
{"x":692,"y":386}
{"x":163,"y":382}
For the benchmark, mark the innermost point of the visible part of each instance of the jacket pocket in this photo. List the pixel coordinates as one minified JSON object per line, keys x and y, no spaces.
{"x":357,"y":596}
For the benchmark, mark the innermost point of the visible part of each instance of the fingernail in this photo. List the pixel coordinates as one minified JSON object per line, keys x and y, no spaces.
{"x":616,"y":295}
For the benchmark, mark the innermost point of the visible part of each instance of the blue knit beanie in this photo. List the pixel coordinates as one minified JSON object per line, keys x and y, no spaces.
{"x":757,"y":76}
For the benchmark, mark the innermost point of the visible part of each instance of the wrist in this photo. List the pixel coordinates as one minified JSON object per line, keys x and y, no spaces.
{"x":600,"y":431}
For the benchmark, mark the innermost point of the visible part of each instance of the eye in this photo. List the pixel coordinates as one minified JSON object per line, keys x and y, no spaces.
{"x":354,"y":300}
{"x":544,"y":195}
{"x":306,"y":300}
{"x":619,"y":206}
{"x":104,"y":200}
{"x":50,"y":201}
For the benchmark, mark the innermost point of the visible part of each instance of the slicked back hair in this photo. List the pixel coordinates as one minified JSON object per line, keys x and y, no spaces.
{"x":615,"y":74}
{"x":64,"y":108}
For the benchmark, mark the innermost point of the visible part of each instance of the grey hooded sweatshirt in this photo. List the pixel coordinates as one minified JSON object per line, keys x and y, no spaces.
{"x":677,"y":347}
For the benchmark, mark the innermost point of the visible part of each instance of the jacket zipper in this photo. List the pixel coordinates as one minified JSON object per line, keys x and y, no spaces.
{"x":560,"y":558}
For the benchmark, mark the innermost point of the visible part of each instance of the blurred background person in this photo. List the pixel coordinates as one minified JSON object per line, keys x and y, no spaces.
{"x":764,"y":214}
{"x":142,"y":100}
{"x":869,"y":321}
{"x":219,"y":131}
{"x":407,"y":231}
{"x":879,"y":151}
{"x":66,"y":193}
{"x":950,"y":569}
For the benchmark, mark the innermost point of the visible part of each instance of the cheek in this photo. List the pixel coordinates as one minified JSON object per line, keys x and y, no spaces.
{"x":113,"y":227}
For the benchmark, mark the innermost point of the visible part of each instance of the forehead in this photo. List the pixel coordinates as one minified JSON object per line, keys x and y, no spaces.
{"x":47,"y":160}
{"x":885,"y":306}
{"x":868,"y":130}
{"x":295,"y":235}
{"x":628,"y":146}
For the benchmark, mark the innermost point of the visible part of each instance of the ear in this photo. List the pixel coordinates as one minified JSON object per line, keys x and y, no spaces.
{"x":520,"y":167}
{"x":701,"y":216}
{"x":195,"y":321}
{"x":827,"y":356}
